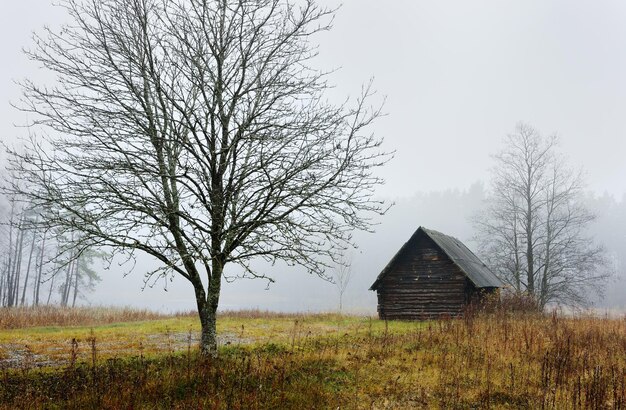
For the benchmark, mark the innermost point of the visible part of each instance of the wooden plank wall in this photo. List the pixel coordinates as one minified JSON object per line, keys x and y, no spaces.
{"x":423,"y":283}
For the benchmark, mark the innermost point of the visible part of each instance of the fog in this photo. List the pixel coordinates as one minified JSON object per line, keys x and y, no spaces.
{"x":457,"y":76}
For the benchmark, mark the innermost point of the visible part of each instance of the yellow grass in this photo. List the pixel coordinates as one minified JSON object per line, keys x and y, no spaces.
{"x":167,"y":334}
{"x":327,"y":361}
{"x":21,"y":317}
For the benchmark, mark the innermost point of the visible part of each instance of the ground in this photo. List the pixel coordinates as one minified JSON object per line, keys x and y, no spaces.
{"x":500,"y":360}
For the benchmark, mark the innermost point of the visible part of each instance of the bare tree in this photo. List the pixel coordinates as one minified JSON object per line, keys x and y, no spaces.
{"x":85,"y":276}
{"x":534,"y":230}
{"x":77,"y":273}
{"x":342,"y":274}
{"x":196,"y":132}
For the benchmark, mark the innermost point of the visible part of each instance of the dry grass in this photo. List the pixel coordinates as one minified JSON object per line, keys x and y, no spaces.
{"x":331,"y":361}
{"x":49,"y":316}
{"x":268,"y":314}
{"x":502,"y":361}
{"x":24,"y":317}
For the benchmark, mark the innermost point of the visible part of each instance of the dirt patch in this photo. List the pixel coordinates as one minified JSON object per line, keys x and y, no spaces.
{"x":21,"y":356}
{"x":15,"y":356}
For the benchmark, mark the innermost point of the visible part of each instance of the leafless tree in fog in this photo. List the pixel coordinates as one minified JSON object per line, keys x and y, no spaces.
{"x":534,"y":230}
{"x":342,"y":273}
{"x":196,"y":132}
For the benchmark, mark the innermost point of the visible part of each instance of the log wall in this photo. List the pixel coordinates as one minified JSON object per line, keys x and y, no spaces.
{"x":423,"y":283}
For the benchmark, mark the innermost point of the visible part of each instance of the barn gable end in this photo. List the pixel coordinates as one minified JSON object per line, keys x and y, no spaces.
{"x":431,"y":275}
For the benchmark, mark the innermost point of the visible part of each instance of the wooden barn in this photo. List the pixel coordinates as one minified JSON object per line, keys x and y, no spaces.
{"x":432,"y":275}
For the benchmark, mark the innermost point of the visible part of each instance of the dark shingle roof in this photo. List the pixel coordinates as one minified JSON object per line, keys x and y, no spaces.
{"x":480,"y":275}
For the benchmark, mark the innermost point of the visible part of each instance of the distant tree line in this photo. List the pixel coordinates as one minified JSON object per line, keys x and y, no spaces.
{"x":40,"y":266}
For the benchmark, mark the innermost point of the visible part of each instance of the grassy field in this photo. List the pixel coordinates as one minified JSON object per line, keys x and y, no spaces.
{"x":315,"y":361}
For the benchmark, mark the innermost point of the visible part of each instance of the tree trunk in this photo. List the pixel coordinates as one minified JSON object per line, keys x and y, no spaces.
{"x":51,"y":288}
{"x":17,"y":268}
{"x":2,"y":276}
{"x":65,"y":295}
{"x":207,"y":310}
{"x":208,"y":336}
{"x":30,"y":260}
{"x":516,"y":248}
{"x":7,"y":283}
{"x":39,"y":271}
{"x":530,"y":258}
{"x":546,"y":271}
{"x":75,"y":282}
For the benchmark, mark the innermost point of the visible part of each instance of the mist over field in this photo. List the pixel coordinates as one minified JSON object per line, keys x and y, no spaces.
{"x":447,"y":211}
{"x":456,"y":78}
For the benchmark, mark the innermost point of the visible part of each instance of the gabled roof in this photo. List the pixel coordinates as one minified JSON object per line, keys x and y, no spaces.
{"x":477,"y":272}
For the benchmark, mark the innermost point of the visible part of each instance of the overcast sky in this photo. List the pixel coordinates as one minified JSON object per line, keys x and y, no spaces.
{"x":457,"y":76}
